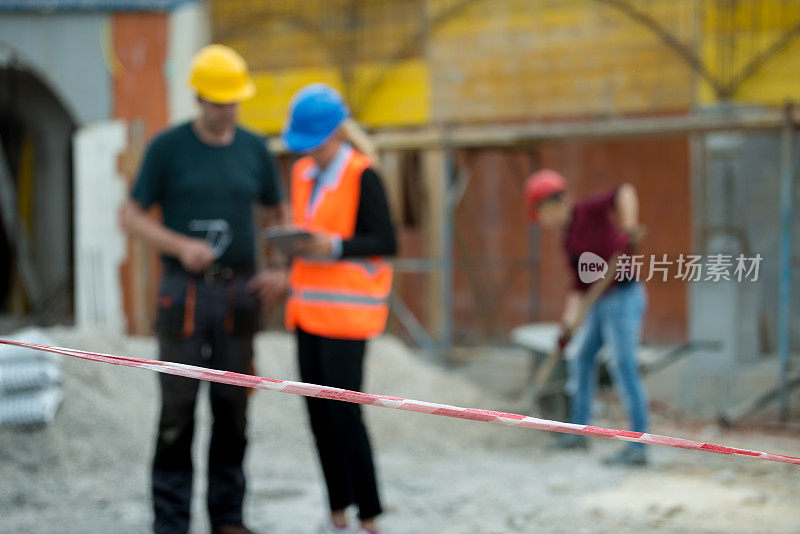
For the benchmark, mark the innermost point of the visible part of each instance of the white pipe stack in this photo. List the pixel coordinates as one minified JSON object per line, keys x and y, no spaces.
{"x":30,"y":383}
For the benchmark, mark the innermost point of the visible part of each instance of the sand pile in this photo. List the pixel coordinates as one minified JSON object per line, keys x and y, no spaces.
{"x":99,"y":439}
{"x":97,"y":450}
{"x":88,"y":471}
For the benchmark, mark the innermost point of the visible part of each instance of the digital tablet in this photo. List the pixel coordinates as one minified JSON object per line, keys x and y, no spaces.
{"x":284,"y":238}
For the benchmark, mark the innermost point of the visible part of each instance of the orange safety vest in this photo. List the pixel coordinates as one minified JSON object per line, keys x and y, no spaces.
{"x":342,"y":299}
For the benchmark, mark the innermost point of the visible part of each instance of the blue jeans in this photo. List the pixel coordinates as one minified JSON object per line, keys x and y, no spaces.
{"x":616,"y":318}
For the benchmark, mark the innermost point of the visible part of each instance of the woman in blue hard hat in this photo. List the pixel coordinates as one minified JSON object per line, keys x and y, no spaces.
{"x":339,"y":285}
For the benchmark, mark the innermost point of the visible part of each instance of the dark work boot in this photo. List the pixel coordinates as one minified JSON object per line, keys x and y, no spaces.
{"x":633,"y":456}
{"x":570,"y":441}
{"x":232,"y":529}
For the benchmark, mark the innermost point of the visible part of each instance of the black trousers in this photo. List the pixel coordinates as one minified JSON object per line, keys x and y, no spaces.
{"x":339,"y":432}
{"x":195,"y":327}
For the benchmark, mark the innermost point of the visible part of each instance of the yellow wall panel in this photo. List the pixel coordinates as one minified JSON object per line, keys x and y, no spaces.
{"x":393,"y":96}
{"x":266,"y":112}
{"x":402,"y":99}
{"x":777,"y":81}
{"x":731,"y":41}
{"x":501,"y":60}
{"x":521,"y":60}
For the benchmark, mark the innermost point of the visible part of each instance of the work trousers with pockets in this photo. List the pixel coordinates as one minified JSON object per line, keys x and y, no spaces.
{"x":209,"y":325}
{"x":339,"y":432}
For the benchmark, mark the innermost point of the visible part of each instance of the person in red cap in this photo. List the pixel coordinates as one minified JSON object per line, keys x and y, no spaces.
{"x":609,"y":309}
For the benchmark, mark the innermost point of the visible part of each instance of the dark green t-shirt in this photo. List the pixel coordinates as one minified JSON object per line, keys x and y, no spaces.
{"x":208,"y":192}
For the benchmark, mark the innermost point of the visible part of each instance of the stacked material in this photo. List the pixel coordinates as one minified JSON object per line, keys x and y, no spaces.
{"x":30,"y":382}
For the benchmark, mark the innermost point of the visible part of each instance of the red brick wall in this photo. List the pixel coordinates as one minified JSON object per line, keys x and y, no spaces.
{"x":140,"y":98}
{"x":659,"y":169}
{"x":497,"y":284}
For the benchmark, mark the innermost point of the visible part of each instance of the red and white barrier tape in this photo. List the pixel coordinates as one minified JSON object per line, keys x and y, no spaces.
{"x":384,"y":401}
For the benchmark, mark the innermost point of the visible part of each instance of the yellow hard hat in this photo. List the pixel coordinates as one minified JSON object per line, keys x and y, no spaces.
{"x":220,"y":75}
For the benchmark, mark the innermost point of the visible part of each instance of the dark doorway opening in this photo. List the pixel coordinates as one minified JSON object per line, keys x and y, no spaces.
{"x":36,"y":142}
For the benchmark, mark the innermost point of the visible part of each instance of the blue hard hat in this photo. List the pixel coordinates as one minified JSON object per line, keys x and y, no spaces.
{"x":315,"y":112}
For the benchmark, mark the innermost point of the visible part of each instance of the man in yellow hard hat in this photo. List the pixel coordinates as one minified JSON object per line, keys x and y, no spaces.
{"x":206,"y":175}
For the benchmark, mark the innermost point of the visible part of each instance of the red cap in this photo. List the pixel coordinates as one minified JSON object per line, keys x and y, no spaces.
{"x":541,"y":185}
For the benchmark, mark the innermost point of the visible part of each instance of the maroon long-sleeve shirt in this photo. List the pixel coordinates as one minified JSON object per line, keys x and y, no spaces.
{"x":593,"y":229}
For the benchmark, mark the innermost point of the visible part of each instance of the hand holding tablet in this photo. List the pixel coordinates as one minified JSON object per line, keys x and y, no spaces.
{"x":286,"y":238}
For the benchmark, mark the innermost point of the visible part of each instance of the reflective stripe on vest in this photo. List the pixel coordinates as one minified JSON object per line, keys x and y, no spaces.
{"x":311,"y":295}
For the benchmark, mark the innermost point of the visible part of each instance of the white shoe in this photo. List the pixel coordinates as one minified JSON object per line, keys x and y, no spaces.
{"x":330,"y":528}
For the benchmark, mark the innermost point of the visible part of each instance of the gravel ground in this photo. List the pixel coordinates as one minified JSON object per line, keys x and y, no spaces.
{"x":88,"y":471}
